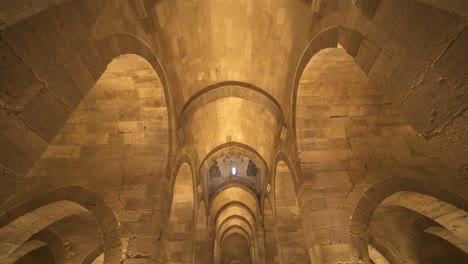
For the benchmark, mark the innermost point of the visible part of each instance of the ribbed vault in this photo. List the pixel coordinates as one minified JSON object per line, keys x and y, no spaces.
{"x":234,"y":211}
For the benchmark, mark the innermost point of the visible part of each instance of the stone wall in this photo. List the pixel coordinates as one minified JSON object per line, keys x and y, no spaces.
{"x":181,"y":222}
{"x":349,"y":133}
{"x":292,"y":248}
{"x":414,"y":50}
{"x":43,"y":51}
{"x":271,"y":236}
{"x":116,"y":144}
{"x":94,"y":139}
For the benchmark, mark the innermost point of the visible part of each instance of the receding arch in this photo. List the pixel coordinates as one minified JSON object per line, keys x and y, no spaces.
{"x":182,"y":161}
{"x":448,"y":236}
{"x":237,"y":204}
{"x":349,"y":39}
{"x":235,"y":229}
{"x":115,"y":45}
{"x":40,"y":255}
{"x":118,"y":139}
{"x":64,"y":201}
{"x":395,"y":232}
{"x":56,"y":245}
{"x":94,"y":125}
{"x":382,"y":249}
{"x":237,"y":221}
{"x":229,"y":214}
{"x":376,"y":256}
{"x":65,"y":69}
{"x":232,"y":119}
{"x":449,"y":216}
{"x":232,"y":147}
{"x":292,"y":248}
{"x":441,"y":205}
{"x":386,"y":53}
{"x":230,"y":89}
{"x":23,"y":250}
{"x":234,"y":209}
{"x":234,"y":193}
{"x":285,"y":159}
{"x":230,"y":231}
{"x":339,"y":117}
{"x":181,"y":221}
{"x":236,"y":248}
{"x":94,"y":256}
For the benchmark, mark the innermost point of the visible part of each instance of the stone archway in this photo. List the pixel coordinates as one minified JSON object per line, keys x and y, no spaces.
{"x":234,"y":214}
{"x":28,"y":218}
{"x":116,"y":143}
{"x":181,"y":221}
{"x":447,"y":208}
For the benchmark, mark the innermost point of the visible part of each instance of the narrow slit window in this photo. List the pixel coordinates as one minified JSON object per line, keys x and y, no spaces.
{"x":233,"y":170}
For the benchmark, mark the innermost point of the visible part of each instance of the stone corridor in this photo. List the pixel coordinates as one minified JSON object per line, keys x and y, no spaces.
{"x":233,"y":131}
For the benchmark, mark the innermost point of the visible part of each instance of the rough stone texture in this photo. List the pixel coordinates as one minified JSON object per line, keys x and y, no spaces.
{"x":56,"y":244}
{"x":448,"y":236}
{"x":119,"y":130}
{"x":271,"y":240}
{"x":376,"y":256}
{"x":391,"y":231}
{"x":37,"y":39}
{"x":347,"y":133}
{"x":201,"y":236}
{"x":235,"y":212}
{"x":181,"y":222}
{"x":42,"y":255}
{"x":362,"y":155}
{"x":236,"y":248}
{"x":413,"y":60}
{"x":18,"y":231}
{"x":292,"y":248}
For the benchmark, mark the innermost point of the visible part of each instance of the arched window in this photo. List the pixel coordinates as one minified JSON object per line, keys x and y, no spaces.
{"x":233,"y":170}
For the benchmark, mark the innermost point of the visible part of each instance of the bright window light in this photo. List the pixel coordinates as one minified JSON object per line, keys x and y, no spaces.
{"x":233,"y":171}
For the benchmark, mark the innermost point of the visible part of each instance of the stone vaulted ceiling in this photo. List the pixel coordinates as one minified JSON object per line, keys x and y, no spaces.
{"x":114,"y":114}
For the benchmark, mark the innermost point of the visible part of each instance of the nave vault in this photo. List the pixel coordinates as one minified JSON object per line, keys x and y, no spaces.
{"x":233,"y":131}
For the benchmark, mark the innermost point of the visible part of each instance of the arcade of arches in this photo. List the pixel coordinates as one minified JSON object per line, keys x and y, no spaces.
{"x":233,"y":131}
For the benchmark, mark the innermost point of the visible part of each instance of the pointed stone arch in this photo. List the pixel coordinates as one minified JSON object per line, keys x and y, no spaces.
{"x":236,"y":247}
{"x":181,"y":229}
{"x":115,"y":45}
{"x":116,"y":142}
{"x":395,"y":56}
{"x":343,"y":123}
{"x":448,"y":208}
{"x":32,"y":215}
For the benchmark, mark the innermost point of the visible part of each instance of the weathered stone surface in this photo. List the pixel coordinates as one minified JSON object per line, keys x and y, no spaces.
{"x":353,"y":113}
